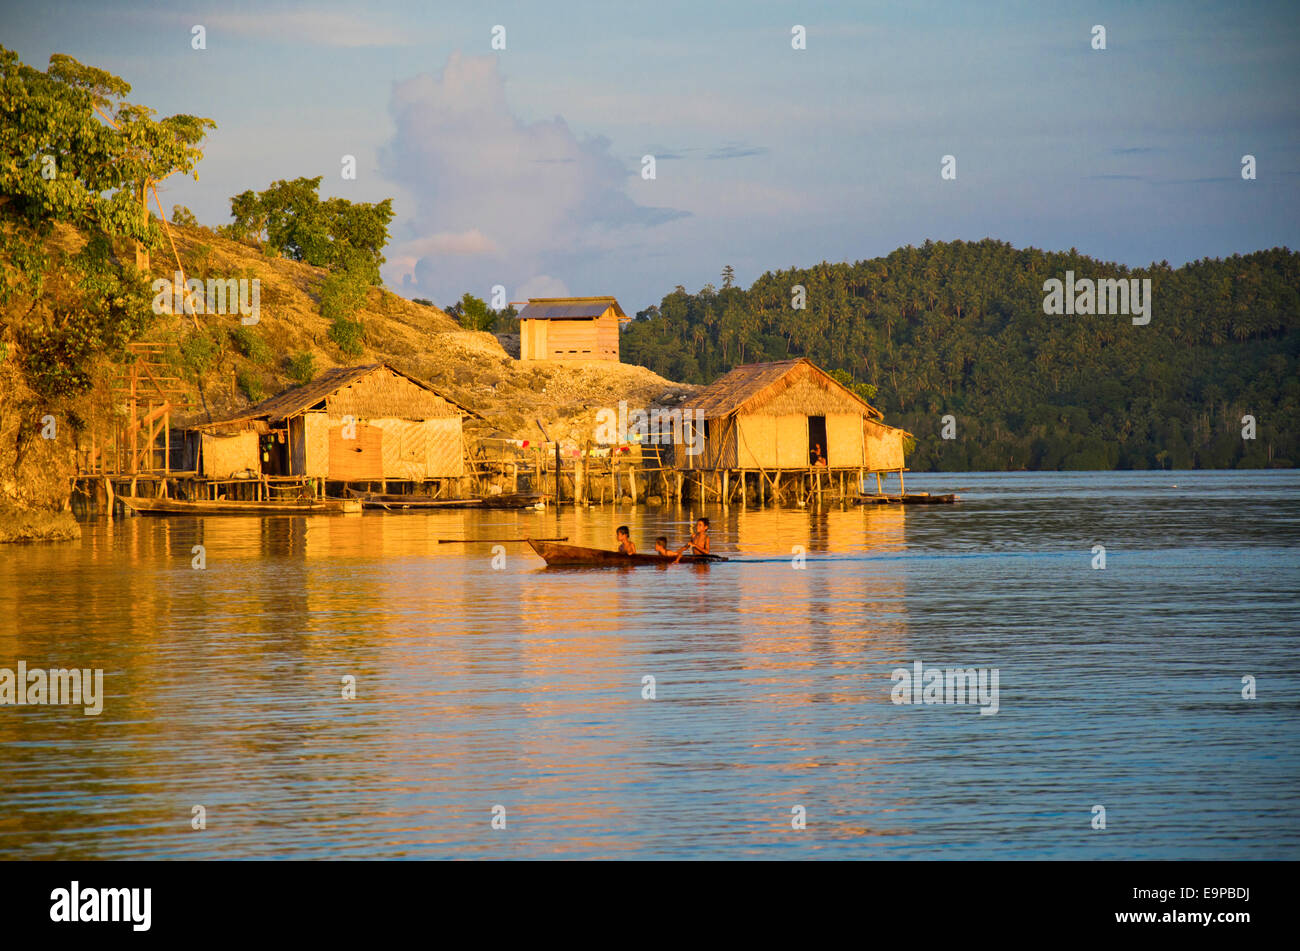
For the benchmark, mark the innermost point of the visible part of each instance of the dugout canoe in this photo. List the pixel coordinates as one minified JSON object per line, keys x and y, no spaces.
{"x":205,"y":507}
{"x":573,"y":556}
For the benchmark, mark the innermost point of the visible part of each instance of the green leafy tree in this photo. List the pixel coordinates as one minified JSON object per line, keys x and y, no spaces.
{"x":289,"y":218}
{"x":472,"y":313}
{"x":72,"y":151}
{"x":958,"y":328}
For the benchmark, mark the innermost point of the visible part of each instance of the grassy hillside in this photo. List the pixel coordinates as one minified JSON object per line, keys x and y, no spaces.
{"x":227,"y":366}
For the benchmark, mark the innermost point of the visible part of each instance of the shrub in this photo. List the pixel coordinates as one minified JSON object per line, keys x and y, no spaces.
{"x":197,"y":353}
{"x":202,"y":258}
{"x":348,"y":334}
{"x":250,"y":343}
{"x":250,"y":384}
{"x":302,"y":366}
{"x":342,"y":294}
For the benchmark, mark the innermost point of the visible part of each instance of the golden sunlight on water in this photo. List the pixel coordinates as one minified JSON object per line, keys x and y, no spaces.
{"x":679,"y":711}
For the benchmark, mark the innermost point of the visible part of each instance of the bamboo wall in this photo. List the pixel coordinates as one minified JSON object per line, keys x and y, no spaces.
{"x":884,"y":445}
{"x":802,"y":394}
{"x":222,"y":455}
{"x":384,"y":394}
{"x":399,"y":449}
{"x":754,"y":441}
{"x":844,"y":440}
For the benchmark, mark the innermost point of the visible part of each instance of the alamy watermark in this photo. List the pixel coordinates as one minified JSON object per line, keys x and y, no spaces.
{"x":57,"y":686}
{"x":229,"y":296}
{"x":947,"y":685}
{"x":75,"y":904}
{"x":660,"y":426}
{"x":1107,"y":296}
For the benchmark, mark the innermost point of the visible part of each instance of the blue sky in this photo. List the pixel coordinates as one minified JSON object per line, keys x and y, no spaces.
{"x":522,"y":167}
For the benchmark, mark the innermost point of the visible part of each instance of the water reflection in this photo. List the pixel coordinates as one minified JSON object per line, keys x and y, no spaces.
{"x":477,"y":686}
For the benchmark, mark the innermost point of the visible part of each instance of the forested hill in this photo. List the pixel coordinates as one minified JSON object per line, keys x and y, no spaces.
{"x":959,"y":328}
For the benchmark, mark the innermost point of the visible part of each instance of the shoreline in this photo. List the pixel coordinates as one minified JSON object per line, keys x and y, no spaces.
{"x":18,"y":526}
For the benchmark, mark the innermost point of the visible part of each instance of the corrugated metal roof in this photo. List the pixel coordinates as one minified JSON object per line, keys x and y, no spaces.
{"x":569,"y":308}
{"x":299,"y":399}
{"x":732,"y":391}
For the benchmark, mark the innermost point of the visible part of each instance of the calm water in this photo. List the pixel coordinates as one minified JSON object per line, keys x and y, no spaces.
{"x":522,"y":687}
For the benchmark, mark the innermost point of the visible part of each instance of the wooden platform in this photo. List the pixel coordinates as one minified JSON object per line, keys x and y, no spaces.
{"x":920,"y":498}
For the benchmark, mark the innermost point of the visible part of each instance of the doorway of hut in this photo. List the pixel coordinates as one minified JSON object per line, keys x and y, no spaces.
{"x":817,"y":448}
{"x":273,"y":450}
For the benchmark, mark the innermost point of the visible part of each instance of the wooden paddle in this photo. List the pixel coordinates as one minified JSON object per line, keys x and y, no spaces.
{"x":471,"y":541}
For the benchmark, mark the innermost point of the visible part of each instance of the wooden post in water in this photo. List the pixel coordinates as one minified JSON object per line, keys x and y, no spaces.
{"x":726,"y":497}
{"x":557,"y":473}
{"x":579,"y":479}
{"x":631,"y":480}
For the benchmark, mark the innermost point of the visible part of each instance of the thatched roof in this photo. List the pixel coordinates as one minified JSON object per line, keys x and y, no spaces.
{"x":757,"y":383}
{"x":569,"y":308}
{"x":300,"y":399}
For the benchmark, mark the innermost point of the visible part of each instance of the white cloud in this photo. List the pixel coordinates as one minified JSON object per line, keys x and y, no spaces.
{"x":543,"y":285}
{"x":498,"y":200}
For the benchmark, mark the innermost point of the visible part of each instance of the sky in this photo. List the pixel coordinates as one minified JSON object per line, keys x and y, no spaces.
{"x":524,"y":167}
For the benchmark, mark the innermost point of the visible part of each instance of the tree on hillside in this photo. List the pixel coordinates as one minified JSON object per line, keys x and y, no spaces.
{"x":958,"y":328}
{"x":289,"y":218}
{"x":147,"y":151}
{"x":472,"y":313}
{"x":72,"y":152}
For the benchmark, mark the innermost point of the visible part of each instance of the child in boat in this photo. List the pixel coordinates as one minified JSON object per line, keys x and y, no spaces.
{"x":625,"y":545}
{"x":699,"y":543}
{"x":661,"y":546}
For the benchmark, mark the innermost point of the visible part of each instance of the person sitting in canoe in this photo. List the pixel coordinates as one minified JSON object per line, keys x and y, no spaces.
{"x":625,"y":545}
{"x":699,"y":543}
{"x":661,"y":546}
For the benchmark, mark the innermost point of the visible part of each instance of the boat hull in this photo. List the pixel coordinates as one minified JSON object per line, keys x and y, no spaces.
{"x":574,"y":556}
{"x":395,"y":503}
{"x":202,"y":507}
